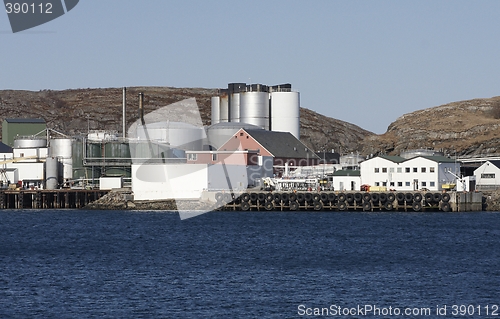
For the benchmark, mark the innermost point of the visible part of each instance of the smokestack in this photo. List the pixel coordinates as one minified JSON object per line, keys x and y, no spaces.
{"x":141,"y":108}
{"x":124,"y":113}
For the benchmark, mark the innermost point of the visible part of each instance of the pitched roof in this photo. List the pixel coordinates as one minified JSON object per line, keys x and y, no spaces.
{"x":496,"y":163}
{"x":347,"y":172}
{"x":4,"y":148}
{"x":282,"y":144}
{"x":439,"y":159}
{"x":395,"y":159}
{"x":25,"y":121}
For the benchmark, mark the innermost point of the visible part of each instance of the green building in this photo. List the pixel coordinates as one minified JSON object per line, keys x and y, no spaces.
{"x":22,"y":127}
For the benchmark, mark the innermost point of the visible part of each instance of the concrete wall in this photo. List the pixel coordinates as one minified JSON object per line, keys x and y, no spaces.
{"x":168,"y":181}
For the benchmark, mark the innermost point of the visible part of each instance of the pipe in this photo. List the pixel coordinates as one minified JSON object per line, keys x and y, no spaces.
{"x":124,"y":114}
{"x":141,"y":108}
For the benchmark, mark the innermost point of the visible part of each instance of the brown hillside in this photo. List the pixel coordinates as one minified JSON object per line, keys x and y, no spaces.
{"x":66,"y":111}
{"x":466,"y":128}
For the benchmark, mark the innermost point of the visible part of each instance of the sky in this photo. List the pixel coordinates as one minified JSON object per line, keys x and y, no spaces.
{"x":363,"y":62}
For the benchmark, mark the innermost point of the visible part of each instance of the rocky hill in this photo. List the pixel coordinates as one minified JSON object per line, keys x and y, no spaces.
{"x":73,"y":111}
{"x":465,"y":128}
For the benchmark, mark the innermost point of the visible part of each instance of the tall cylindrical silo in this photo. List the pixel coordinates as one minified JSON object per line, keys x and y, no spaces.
{"x":285,"y":112}
{"x":215,"y":109}
{"x":62,"y":149}
{"x":254,"y":108}
{"x":51,"y":173}
{"x":235,"y":107}
{"x":224,"y":108}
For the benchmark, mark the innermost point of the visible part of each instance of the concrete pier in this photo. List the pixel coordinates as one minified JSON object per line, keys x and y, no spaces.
{"x":41,"y":199}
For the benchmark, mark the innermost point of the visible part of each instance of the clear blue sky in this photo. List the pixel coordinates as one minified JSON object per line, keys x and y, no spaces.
{"x":364,"y":62}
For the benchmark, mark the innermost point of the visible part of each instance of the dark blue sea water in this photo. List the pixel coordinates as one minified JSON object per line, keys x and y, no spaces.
{"x":122,"y":264}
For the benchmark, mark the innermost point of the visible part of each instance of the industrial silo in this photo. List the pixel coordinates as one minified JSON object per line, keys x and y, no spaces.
{"x":30,"y":142}
{"x":254,"y":108}
{"x":285,"y":112}
{"x":215,"y":102}
{"x":117,"y":159}
{"x":234,"y":90}
{"x":61,"y":148}
{"x":219,"y":134}
{"x":420,"y":152}
{"x":224,"y":107}
{"x":51,"y":173}
{"x":175,"y":134}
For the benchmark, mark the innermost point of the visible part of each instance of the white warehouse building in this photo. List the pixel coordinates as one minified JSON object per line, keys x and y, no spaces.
{"x":401,"y":174}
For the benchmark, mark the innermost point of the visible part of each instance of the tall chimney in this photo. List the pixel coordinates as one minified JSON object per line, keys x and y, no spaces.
{"x":141,"y":108}
{"x":124,"y":112}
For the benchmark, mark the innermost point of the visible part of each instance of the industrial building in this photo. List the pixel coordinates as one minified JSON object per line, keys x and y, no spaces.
{"x":20,"y":127}
{"x":273,"y":108}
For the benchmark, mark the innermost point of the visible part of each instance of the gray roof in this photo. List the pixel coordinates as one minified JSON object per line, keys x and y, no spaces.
{"x":347,"y":172}
{"x":282,"y":144}
{"x":25,"y":121}
{"x":496,"y":163}
{"x":4,"y":148}
{"x":395,"y":159}
{"x":440,"y":159}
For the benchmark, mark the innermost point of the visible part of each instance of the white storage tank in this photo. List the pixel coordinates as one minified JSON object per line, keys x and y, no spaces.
{"x":234,"y":107}
{"x":176,"y":134}
{"x":215,"y":116}
{"x":285,"y":112}
{"x":420,"y":152}
{"x":51,"y":173}
{"x":254,"y":108}
{"x":61,"y":148}
{"x":224,"y":107}
{"x":30,"y":142}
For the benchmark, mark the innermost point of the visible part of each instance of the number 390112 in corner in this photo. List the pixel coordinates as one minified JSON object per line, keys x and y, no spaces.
{"x":25,"y":8}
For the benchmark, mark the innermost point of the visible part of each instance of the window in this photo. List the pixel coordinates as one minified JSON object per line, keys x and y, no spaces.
{"x":384,"y":169}
{"x":407,"y":169}
{"x":377,"y":184}
{"x":400,"y":184}
{"x":491,"y":175}
{"x":391,"y":170}
{"x":400,"y":170}
{"x":391,"y":184}
{"x":376,"y":169}
{"x":431,"y":169}
{"x":241,"y":134}
{"x":431,"y":184}
{"x":192,"y":157}
{"x":384,"y":183}
{"x":407,"y":183}
{"x":422,"y":169}
{"x":415,"y":170}
{"x":424,"y":184}
{"x":214,"y":157}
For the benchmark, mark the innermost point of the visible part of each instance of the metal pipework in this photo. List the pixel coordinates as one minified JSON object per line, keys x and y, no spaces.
{"x":141,"y":107}
{"x":124,"y":111}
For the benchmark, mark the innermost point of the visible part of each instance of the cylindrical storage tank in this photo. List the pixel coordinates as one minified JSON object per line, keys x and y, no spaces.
{"x":215,"y":101}
{"x":224,"y":108}
{"x":420,"y":152}
{"x":220,"y":133}
{"x":119,"y":153}
{"x":285,"y":112}
{"x":51,"y":173}
{"x":351,"y":160}
{"x":254,"y":108}
{"x":62,"y":149}
{"x":94,"y":150}
{"x":27,"y":142}
{"x":178,"y":135}
{"x":235,"y":107}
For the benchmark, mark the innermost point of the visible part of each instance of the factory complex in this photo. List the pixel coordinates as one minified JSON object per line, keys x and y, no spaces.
{"x":252,"y":145}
